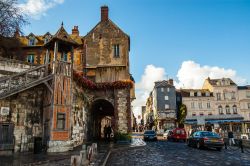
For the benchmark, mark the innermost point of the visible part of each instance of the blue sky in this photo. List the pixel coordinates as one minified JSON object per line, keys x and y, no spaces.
{"x":177,"y":37}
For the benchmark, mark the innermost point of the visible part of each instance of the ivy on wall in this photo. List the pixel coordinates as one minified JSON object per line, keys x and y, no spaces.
{"x":88,"y":84}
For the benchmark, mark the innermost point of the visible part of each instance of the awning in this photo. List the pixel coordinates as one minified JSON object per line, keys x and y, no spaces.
{"x":210,"y":121}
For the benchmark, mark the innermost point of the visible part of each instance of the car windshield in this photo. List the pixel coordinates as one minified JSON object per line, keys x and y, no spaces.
{"x":149,"y":132}
{"x":209,"y":134}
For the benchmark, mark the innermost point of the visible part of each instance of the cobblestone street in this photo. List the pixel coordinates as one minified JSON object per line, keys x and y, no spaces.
{"x":177,"y":154}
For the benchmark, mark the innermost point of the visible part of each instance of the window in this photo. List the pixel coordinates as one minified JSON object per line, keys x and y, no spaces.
{"x":218,"y":96}
{"x":166,"y":106}
{"x":192,"y":105}
{"x":31,"y":58}
{"x":60,"y":121}
{"x":166,"y":97}
{"x":193,"y":114}
{"x":248,"y":94}
{"x":248,"y":105}
{"x":31,"y":41}
{"x":233,"y":95}
{"x":168,"y":89}
{"x":45,"y":59}
{"x":234,"y":109}
{"x":200,"y":105}
{"x":162,"y":89}
{"x":116,"y":51}
{"x":210,"y":113}
{"x":201,"y":114}
{"x":64,"y":56}
{"x":207,"y":94}
{"x":46,"y":40}
{"x":191,"y":93}
{"x":228,"y":110}
{"x":208,"y":105}
{"x":199,"y":93}
{"x":220,"y":109}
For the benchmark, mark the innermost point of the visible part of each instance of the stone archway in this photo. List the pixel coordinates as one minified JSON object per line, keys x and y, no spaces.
{"x":101,"y":112}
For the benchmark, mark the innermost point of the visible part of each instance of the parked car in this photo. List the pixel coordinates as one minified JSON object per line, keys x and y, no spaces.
{"x":208,"y":139}
{"x":150,"y":135}
{"x":177,"y":134}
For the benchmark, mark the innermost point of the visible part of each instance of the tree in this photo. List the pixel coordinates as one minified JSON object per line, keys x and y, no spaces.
{"x":11,"y":21}
{"x":11,"y":18}
{"x":182,"y":113}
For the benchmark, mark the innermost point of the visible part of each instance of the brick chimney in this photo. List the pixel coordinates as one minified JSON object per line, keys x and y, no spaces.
{"x":75,"y":31}
{"x":17,"y":33}
{"x":104,"y":13}
{"x":171,"y":82}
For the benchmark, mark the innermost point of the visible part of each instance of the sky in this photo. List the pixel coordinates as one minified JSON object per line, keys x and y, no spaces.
{"x":187,"y":40}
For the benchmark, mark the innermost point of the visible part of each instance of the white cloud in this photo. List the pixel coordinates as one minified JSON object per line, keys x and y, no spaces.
{"x":192,"y":75}
{"x":145,"y":86}
{"x":37,"y":8}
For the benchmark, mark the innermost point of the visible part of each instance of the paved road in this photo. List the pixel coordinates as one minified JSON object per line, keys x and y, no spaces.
{"x":176,"y":154}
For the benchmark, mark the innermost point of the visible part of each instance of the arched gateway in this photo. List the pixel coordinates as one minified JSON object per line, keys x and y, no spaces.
{"x":101,"y":113}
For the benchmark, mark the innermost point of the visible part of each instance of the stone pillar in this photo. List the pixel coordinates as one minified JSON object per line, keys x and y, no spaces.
{"x":122,"y":110}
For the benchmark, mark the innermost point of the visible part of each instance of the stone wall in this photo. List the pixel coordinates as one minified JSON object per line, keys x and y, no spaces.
{"x":123,"y":110}
{"x":26,"y":115}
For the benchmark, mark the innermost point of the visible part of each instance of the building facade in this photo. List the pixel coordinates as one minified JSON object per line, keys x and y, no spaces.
{"x":161,"y":106}
{"x":215,"y":107}
{"x":84,"y":81}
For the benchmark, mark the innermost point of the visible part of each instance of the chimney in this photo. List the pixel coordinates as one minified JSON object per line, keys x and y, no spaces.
{"x":104,"y":13}
{"x":75,"y":31}
{"x":17,"y":33}
{"x":171,"y":82}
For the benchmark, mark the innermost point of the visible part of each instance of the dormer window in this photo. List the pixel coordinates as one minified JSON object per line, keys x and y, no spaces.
{"x":32,"y":41}
{"x":207,"y":94}
{"x":198,"y":93}
{"x":192,"y":93}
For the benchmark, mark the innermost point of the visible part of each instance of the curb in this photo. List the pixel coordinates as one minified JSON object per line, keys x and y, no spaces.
{"x":106,"y":159}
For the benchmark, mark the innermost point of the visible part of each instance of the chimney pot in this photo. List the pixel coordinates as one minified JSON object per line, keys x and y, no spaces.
{"x":171,"y":82}
{"x":75,"y":31}
{"x":104,"y":13}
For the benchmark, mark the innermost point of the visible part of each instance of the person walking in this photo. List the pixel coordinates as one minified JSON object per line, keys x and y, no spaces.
{"x":231,"y":137}
{"x":109,"y":131}
{"x":105,"y":130}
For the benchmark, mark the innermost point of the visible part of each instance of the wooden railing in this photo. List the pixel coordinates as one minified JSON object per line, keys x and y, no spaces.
{"x":24,"y":80}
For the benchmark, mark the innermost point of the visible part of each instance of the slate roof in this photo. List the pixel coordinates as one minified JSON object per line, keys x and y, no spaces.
{"x":186,"y":92}
{"x":213,"y":82}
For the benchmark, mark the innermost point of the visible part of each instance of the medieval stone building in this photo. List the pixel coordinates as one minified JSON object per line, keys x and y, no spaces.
{"x":77,"y":85}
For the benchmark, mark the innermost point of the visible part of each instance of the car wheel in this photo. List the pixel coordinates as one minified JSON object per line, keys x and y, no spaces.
{"x":198,"y":145}
{"x":219,"y":149}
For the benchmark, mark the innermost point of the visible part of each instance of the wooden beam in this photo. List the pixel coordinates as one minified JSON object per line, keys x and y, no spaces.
{"x":48,"y":86}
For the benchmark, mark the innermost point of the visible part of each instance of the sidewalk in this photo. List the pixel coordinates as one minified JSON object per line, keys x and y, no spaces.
{"x":64,"y":159}
{"x":29,"y":158}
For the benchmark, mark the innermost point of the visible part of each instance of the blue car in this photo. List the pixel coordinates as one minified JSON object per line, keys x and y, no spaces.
{"x":150,"y":135}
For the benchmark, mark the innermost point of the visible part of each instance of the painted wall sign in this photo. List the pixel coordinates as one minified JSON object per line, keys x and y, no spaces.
{"x":5,"y":111}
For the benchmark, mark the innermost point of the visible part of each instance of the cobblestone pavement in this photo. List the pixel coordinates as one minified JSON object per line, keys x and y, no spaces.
{"x":177,"y":154}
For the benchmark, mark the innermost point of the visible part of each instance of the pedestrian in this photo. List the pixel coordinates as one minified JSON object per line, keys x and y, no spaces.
{"x":109,"y":131}
{"x":105,"y":130}
{"x":231,"y":137}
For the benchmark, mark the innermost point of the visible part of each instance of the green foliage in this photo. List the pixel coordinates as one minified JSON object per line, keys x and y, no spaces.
{"x":182,"y":113}
{"x":123,"y":136}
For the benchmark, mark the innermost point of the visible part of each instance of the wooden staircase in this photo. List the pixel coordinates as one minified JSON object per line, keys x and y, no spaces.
{"x":25,"y":80}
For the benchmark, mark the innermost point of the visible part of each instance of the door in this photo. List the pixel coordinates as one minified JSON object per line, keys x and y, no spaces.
{"x":6,"y":136}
